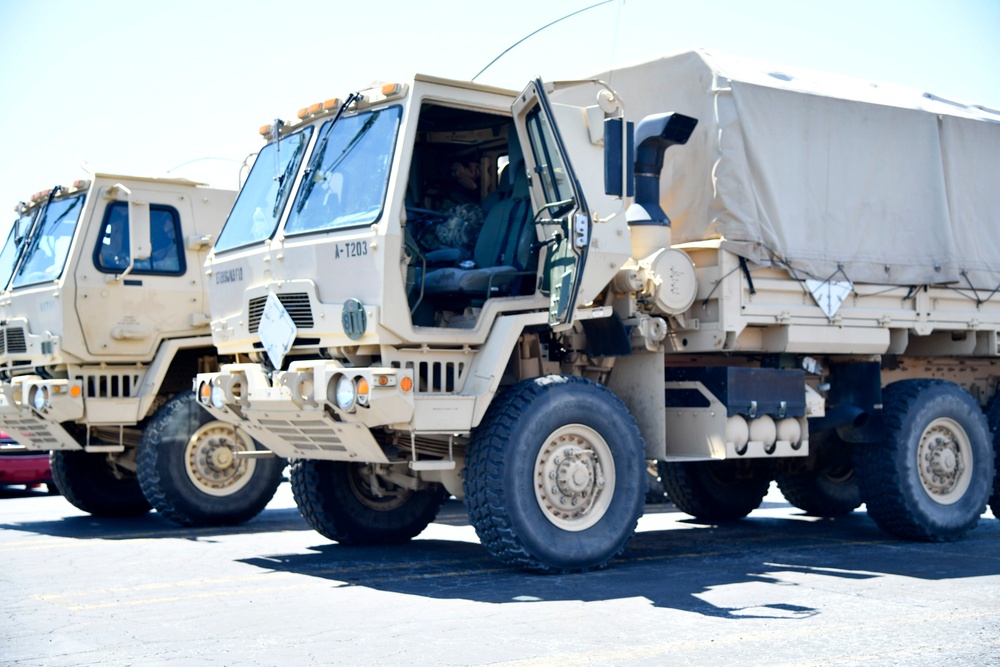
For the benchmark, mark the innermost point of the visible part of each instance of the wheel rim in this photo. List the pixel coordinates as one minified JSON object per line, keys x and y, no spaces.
{"x":944,"y":459}
{"x":209,"y":460}
{"x":375,"y":494}
{"x":574,"y":477}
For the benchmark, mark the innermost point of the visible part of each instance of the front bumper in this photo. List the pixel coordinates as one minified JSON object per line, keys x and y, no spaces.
{"x":296,"y":414}
{"x":40,"y":430}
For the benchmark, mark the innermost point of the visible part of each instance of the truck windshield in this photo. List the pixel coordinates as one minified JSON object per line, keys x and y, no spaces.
{"x":46,"y":255}
{"x":262,"y":199}
{"x":345,"y":182}
{"x":8,"y":256}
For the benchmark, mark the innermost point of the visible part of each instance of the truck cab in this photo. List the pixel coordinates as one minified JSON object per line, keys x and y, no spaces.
{"x":104,"y":320}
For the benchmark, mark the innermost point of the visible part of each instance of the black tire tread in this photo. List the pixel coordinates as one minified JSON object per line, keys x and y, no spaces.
{"x":691,"y":489}
{"x":484,"y":487}
{"x":87,"y":484}
{"x":162,"y":494}
{"x":326,"y":514}
{"x":880,"y":478}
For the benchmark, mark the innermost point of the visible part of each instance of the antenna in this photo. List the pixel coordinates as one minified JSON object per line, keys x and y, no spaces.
{"x":530,"y":35}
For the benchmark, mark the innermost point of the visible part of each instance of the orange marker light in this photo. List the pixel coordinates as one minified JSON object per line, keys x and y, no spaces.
{"x":333,"y":103}
{"x":75,"y":391}
{"x":383,"y":380}
{"x":390,"y":88}
{"x":362,"y":386}
{"x":406,"y":384}
{"x":204,"y":392}
{"x":265,"y":129}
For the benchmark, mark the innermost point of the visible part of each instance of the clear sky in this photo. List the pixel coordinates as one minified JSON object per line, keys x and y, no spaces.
{"x":142,"y":86}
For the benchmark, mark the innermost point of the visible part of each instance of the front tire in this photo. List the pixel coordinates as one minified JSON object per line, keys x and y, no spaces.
{"x":95,"y":484}
{"x":186,"y":468}
{"x":931,"y":476}
{"x":828,"y":487}
{"x":717,"y":490}
{"x":555,"y":477}
{"x":337,"y":500}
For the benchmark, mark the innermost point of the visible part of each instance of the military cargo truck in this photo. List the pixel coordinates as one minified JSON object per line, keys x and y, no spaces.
{"x":437,"y":287}
{"x":103,"y":322}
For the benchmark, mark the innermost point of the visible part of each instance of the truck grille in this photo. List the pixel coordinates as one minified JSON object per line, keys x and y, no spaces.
{"x":12,"y":341}
{"x":111,"y":384}
{"x":304,"y":434}
{"x":297,"y":305}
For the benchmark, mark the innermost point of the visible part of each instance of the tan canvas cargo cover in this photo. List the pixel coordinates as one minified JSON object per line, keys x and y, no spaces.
{"x":830,"y":176}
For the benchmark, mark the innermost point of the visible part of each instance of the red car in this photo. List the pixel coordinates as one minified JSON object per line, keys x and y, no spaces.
{"x":20,"y":466}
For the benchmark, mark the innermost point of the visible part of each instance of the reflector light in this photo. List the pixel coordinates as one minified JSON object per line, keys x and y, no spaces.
{"x":75,"y":391}
{"x":383,"y":380}
{"x":406,"y":384}
{"x":362,"y":386}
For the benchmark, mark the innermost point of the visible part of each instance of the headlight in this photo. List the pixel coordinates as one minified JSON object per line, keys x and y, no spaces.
{"x":41,"y":398}
{"x":218,"y":397}
{"x":346,"y":392}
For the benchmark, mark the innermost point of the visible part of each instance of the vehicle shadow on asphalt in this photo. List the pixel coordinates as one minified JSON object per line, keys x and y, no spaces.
{"x":671,"y":568}
{"x":152,"y":525}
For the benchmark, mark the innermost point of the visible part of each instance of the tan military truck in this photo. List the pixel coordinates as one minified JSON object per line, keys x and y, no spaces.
{"x":103,"y":322}
{"x":459,"y":289}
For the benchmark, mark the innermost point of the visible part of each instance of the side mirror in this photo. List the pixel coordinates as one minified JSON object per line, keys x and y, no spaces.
{"x":139,"y":244}
{"x":619,"y":163}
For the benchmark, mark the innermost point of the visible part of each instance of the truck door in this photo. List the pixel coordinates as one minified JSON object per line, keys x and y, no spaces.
{"x":561,"y":210}
{"x":130,"y":313}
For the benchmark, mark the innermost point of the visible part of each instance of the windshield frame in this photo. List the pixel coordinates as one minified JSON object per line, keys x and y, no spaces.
{"x":39,"y":232}
{"x":316,"y":161}
{"x":266,"y":158}
{"x":22,"y":224}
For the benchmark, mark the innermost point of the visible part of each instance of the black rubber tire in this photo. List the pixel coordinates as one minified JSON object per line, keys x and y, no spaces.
{"x":337,"y":503}
{"x":993,"y":419}
{"x":888,"y":472}
{"x":163,"y":475}
{"x":94,"y":484}
{"x":500,"y":475}
{"x":830,"y":487}
{"x":656,"y":493}
{"x":717,"y":490}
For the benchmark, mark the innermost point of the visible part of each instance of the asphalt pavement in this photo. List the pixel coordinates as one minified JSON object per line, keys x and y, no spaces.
{"x":778,"y":588}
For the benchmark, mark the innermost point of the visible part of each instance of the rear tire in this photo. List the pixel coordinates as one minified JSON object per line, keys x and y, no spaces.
{"x":829,"y":487}
{"x":337,"y":501}
{"x":187,"y":470}
{"x":555,"y":477}
{"x":931,"y":477}
{"x":993,"y":419}
{"x":717,"y":490}
{"x":95,"y":484}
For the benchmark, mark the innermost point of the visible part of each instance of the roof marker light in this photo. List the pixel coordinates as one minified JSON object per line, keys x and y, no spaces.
{"x":332,"y":103}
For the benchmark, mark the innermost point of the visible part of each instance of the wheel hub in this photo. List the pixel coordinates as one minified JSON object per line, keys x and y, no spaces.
{"x":210,"y":461}
{"x":942,"y":455}
{"x":571,"y":474}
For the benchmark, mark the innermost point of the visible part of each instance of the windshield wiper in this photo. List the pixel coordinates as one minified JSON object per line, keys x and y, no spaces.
{"x":284,"y":180}
{"x":317,"y":157}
